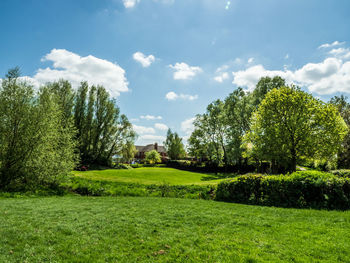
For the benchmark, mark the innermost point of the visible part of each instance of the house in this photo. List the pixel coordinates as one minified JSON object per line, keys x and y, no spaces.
{"x":141,"y":151}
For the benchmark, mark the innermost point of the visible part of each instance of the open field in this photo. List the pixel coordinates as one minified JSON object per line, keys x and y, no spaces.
{"x":151,"y":175}
{"x":132,"y":229}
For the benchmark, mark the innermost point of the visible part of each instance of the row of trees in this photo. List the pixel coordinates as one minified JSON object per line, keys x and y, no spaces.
{"x":45,"y":133}
{"x":276,"y":123}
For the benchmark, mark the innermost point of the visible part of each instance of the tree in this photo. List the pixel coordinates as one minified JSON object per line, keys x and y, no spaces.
{"x":344,"y":109}
{"x":35,"y":147}
{"x":174,"y":146}
{"x":290,"y":123}
{"x":101,"y":130}
{"x":153,"y":157}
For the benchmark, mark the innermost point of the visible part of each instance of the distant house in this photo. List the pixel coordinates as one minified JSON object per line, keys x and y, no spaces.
{"x":141,"y":151}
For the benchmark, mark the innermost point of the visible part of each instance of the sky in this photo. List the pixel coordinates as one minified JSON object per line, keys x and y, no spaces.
{"x":164,"y":61}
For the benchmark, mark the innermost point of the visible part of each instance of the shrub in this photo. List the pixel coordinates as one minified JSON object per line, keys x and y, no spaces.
{"x":87,"y":187}
{"x":122,"y":166}
{"x":342,"y":173}
{"x":302,"y":189}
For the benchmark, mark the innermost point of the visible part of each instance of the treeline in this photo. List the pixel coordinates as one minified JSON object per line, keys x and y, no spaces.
{"x":46,"y":133}
{"x":275,"y":127}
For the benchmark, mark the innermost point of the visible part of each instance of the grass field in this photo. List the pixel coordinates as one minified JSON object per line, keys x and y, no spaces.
{"x":127,"y":229}
{"x":151,"y":175}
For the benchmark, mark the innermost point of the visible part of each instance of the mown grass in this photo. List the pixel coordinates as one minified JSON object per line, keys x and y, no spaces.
{"x":152,"y":175}
{"x":134,"y":229}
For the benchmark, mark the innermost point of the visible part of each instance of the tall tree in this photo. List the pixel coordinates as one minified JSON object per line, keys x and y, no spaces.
{"x":35,"y":147}
{"x":290,"y":123}
{"x":174,"y":146}
{"x":344,"y":108}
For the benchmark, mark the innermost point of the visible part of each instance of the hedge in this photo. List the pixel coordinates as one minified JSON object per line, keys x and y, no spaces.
{"x":304,"y":189}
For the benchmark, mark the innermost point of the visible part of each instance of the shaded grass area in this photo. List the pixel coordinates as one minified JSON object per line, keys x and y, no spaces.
{"x":133,"y":229}
{"x":153,"y":175}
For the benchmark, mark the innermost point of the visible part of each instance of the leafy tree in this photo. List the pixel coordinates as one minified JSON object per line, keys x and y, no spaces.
{"x":101,"y":130}
{"x":153,"y":157}
{"x":35,"y":147}
{"x":290,"y":123}
{"x":344,"y":108}
{"x":174,"y":146}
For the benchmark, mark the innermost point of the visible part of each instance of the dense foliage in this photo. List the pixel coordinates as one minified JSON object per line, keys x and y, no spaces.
{"x":43,"y":132}
{"x":300,"y":189}
{"x":153,"y":157}
{"x":174,"y":146}
{"x":273,"y":123}
{"x":36,"y":142}
{"x":291,"y":123}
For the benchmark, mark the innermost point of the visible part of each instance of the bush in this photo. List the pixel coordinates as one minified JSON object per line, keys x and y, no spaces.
{"x":87,"y":187}
{"x":342,"y":173}
{"x":312,"y":189}
{"x":122,"y":166}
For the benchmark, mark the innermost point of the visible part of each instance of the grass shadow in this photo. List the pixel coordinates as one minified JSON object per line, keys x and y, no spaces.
{"x":217,"y":176}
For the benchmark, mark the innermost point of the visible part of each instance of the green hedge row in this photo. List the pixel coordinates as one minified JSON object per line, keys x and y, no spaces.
{"x":87,"y":187}
{"x":304,"y":189}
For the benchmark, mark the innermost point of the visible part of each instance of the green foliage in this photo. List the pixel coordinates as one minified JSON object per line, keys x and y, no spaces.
{"x":36,"y":142}
{"x":153,"y":157}
{"x":102,"y":131}
{"x":341,"y":172}
{"x":344,"y":152}
{"x":301,"y":189}
{"x":84,"y":186}
{"x":290,"y":123}
{"x":174,"y":146}
{"x":218,"y":133}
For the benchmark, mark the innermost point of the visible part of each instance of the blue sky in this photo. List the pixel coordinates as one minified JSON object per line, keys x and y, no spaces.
{"x":166,"y":60}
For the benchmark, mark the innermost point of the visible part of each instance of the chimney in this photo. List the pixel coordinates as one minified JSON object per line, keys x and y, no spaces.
{"x":156,"y":146}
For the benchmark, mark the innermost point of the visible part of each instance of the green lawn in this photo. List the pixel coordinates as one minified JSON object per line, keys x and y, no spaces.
{"x":133,"y":229}
{"x":151,"y":175}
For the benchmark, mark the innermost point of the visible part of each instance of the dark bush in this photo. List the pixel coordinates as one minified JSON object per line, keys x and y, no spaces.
{"x":304,"y":189}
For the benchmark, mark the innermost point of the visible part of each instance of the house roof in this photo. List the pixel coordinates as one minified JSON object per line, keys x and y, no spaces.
{"x":150,"y":147}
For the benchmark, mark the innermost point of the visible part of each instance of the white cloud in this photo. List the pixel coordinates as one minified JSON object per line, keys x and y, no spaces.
{"x":150,"y":138}
{"x":187,"y":125}
{"x":335,"y":43}
{"x":220,"y":78}
{"x":286,"y":56}
{"x":173,"y":96}
{"x":161,"y":126}
{"x":143,"y":60}
{"x":327,"y":77}
{"x":143,"y":129}
{"x":343,"y":53}
{"x":130,"y":3}
{"x":150,"y":117}
{"x":74,"y":68}
{"x":184,"y":71}
{"x":250,"y":60}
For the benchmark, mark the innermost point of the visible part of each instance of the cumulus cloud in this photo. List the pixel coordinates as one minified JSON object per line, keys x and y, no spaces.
{"x":143,"y":129}
{"x":343,"y":53}
{"x":74,"y":68}
{"x":250,"y":60}
{"x":334,"y":44}
{"x":327,"y":77}
{"x":130,"y":3}
{"x":187,"y":125}
{"x":184,"y":71}
{"x":150,"y":138}
{"x":220,"y":78}
{"x":150,"y":117}
{"x":143,"y":60}
{"x":173,"y":96}
{"x":161,"y":126}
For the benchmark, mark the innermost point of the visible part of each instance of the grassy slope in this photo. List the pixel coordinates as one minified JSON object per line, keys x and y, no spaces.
{"x":105,"y":229}
{"x":150,"y":175}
